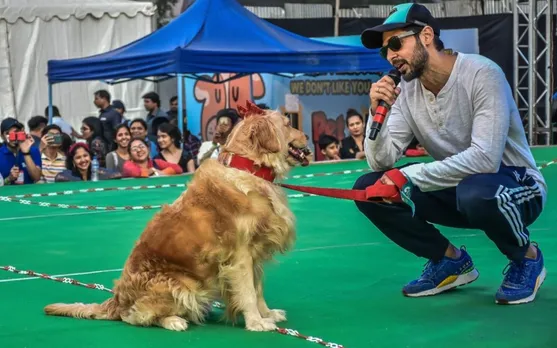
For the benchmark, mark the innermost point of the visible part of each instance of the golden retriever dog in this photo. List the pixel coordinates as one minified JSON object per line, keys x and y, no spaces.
{"x":211,"y":243}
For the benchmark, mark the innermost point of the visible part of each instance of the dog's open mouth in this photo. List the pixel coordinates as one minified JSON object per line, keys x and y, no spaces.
{"x":299,"y":154}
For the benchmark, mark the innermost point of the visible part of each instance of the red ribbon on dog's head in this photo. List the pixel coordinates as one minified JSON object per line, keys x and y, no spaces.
{"x":249,"y":110}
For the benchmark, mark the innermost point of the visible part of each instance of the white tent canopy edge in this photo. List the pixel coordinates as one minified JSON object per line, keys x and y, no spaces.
{"x":34,"y":31}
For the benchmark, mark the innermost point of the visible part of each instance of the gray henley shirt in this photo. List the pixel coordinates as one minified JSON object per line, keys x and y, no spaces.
{"x":470,"y":127}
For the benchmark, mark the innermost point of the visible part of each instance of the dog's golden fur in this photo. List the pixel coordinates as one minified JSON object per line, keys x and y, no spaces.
{"x":211,"y":242}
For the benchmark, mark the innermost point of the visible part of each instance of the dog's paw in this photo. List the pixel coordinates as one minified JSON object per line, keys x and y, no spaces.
{"x":174,"y":323}
{"x":261,"y":325}
{"x":276,"y":315}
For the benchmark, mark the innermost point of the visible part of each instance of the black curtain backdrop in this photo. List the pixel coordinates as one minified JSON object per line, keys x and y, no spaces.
{"x":308,"y":27}
{"x":343,"y":3}
{"x":495,"y":32}
{"x":495,"y":41}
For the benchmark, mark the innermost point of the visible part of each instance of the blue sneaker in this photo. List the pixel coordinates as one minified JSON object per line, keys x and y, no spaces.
{"x":442,"y":276}
{"x":522,"y":281}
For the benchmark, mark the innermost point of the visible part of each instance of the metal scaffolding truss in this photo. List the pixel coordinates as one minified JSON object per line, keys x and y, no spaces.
{"x":533,"y":67}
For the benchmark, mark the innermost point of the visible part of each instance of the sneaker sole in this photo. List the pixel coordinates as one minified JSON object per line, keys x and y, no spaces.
{"x":530,"y":298}
{"x":461,"y":280}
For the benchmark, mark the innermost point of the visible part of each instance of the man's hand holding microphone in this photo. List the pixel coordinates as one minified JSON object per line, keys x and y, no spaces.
{"x":383,"y":95}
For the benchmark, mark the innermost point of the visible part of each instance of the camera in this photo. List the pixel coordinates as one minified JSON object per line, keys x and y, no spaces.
{"x":17,"y":136}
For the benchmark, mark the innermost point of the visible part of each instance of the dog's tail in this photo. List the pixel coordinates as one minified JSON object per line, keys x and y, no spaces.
{"x":108,"y":310}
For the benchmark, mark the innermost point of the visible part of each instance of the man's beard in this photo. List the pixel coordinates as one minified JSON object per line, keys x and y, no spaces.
{"x":419,"y":62}
{"x":12,"y":145}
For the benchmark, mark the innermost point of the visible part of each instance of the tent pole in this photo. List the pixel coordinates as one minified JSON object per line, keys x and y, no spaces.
{"x":50,"y":111}
{"x":180,"y":81}
{"x":251,"y":88}
{"x":337,"y":15}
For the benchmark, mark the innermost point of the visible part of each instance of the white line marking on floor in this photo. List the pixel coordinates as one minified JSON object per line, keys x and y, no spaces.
{"x":328,"y":247}
{"x":53,"y":215}
{"x":61,"y":275}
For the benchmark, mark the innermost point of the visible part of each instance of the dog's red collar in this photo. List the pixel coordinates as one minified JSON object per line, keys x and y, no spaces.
{"x":245,"y":164}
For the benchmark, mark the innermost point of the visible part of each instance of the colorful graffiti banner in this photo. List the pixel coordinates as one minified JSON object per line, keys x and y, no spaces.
{"x":319,"y":102}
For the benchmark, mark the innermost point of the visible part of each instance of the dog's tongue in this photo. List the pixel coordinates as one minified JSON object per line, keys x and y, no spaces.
{"x":305,"y":162}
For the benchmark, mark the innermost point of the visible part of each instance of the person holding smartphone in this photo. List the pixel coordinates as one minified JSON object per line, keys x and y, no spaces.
{"x":20,"y":161}
{"x":52,"y":157}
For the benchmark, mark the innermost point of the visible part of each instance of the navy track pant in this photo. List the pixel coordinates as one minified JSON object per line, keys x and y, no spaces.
{"x":501,"y":204}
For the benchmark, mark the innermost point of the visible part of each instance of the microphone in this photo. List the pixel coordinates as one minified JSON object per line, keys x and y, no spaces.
{"x":382,"y":109}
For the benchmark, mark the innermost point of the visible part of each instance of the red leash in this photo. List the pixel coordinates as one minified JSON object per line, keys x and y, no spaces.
{"x":370,"y":194}
{"x":377,"y":192}
{"x":354,"y":195}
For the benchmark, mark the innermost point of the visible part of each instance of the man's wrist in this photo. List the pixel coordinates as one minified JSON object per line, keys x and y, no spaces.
{"x":403,"y":182}
{"x":412,"y":170}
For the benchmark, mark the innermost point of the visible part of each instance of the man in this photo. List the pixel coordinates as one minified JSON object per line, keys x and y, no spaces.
{"x":53,"y":160}
{"x":226,"y":120}
{"x":20,"y":161}
{"x":120,"y":107}
{"x":461,"y":109}
{"x":36,"y":125}
{"x":173,"y":111}
{"x":110,"y":118}
{"x":59,"y":121}
{"x":155,"y":115}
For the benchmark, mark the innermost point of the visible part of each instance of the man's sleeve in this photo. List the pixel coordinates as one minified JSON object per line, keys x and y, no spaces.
{"x":395,"y":135}
{"x":115,"y":119}
{"x":36,"y":156}
{"x":491,"y":103}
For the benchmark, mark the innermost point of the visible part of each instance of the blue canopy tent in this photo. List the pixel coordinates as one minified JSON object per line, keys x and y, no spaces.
{"x":215,"y":36}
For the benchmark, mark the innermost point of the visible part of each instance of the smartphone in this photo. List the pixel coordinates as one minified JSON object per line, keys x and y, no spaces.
{"x":17,"y":136}
{"x":56,"y":139}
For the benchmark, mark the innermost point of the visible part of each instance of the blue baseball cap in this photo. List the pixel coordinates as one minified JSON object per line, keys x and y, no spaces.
{"x":9,"y":123}
{"x":401,"y":16}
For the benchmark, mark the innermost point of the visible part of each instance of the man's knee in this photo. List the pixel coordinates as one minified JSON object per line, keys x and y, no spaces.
{"x":366,"y":180}
{"x":362,"y":183}
{"x":475,"y":195}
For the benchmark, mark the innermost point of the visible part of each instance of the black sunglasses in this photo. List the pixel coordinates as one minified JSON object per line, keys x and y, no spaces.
{"x":395,"y":43}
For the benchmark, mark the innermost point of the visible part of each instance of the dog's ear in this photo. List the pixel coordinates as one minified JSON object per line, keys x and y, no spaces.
{"x":264,"y":134}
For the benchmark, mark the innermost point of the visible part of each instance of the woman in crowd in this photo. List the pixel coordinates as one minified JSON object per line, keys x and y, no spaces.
{"x":92,"y":131}
{"x":191,"y":143}
{"x":141,"y":166}
{"x":78,"y":164}
{"x":115,"y":159}
{"x":138,"y":129}
{"x":168,"y":139}
{"x":353,"y":145}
